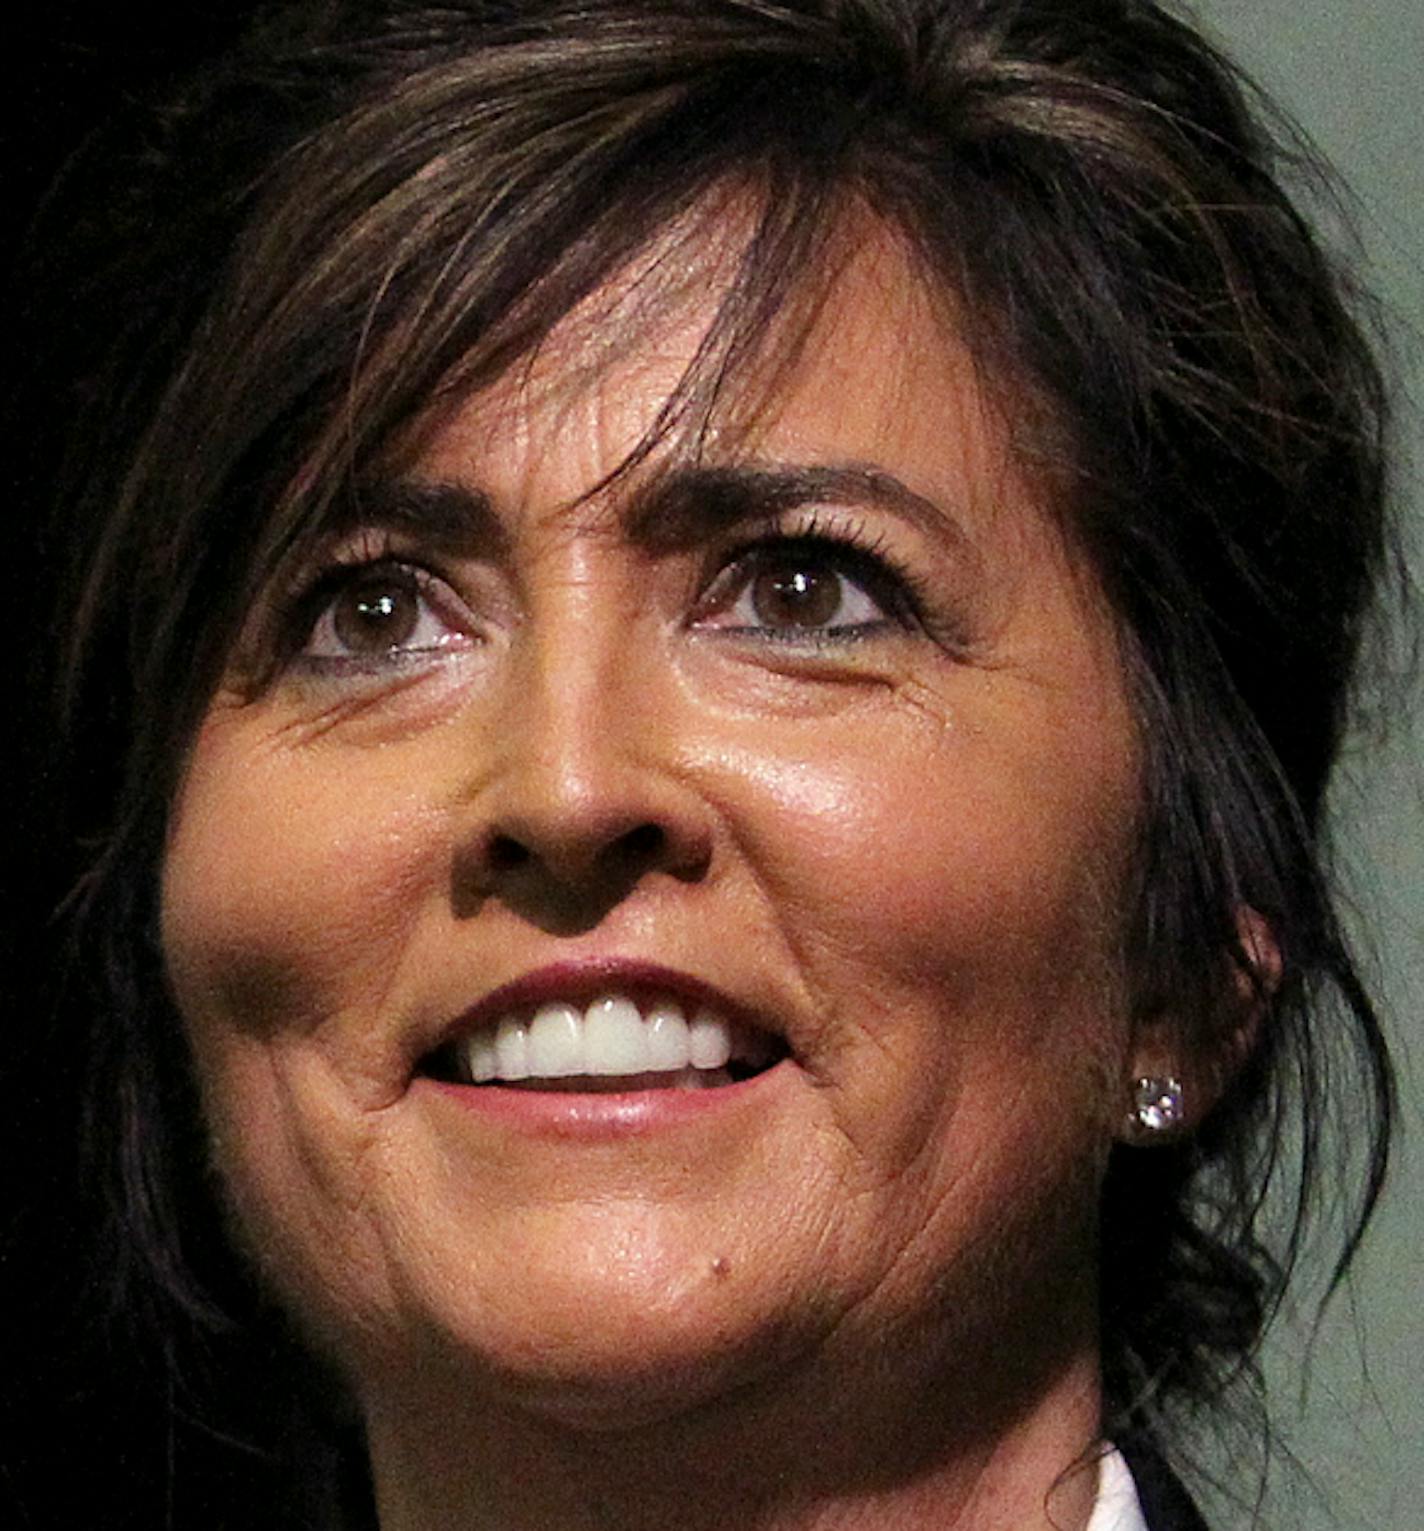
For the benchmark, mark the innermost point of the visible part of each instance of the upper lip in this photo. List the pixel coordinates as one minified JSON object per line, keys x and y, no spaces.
{"x":584,"y":980}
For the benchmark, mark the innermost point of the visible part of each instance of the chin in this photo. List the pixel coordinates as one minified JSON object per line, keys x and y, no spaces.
{"x":602,"y":1343}
{"x":589,"y":1314}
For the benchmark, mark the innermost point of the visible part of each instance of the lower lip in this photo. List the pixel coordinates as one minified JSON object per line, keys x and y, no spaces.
{"x":595,"y":1117}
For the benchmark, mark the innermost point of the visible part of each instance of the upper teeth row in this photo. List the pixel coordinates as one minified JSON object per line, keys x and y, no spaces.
{"x":610,"y":1036}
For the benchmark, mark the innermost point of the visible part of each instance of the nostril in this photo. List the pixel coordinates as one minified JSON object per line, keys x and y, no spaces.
{"x":615,"y":860}
{"x":644,"y":843}
{"x":507,"y":854}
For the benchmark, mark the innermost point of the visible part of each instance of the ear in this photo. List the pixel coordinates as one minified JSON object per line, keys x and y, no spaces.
{"x":1175,"y":1077}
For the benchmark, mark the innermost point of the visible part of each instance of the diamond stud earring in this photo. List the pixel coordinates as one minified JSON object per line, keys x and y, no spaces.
{"x":1156,"y":1107}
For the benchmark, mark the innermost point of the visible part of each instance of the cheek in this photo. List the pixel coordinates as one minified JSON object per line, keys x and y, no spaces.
{"x":957,"y":919}
{"x":287,"y":895}
{"x":953,"y":894}
{"x":287,"y":898}
{"x":936,"y":855}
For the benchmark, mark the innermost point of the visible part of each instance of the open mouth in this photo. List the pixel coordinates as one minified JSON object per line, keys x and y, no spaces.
{"x":614,"y":1044}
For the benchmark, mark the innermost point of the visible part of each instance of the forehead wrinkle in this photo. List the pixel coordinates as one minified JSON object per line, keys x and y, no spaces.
{"x":626,"y":321}
{"x":670,"y":302}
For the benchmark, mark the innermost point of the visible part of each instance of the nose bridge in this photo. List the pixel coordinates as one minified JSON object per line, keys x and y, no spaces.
{"x":581,"y":777}
{"x":575,"y":680}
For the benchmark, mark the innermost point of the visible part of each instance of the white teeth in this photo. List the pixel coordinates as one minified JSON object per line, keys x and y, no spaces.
{"x":556,"y":1042}
{"x":709,"y":1043}
{"x":480,"y":1058}
{"x":612,"y":1037}
{"x":511,"y":1048}
{"x":667,"y":1038}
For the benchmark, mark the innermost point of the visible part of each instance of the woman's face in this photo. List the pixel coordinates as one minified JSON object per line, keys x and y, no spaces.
{"x":821,"y":735}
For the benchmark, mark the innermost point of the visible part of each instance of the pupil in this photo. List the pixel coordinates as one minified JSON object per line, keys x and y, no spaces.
{"x":796,"y":597}
{"x":375,"y":616}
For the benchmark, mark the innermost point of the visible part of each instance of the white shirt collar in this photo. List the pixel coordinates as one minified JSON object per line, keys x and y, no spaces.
{"x":1117,"y":1507}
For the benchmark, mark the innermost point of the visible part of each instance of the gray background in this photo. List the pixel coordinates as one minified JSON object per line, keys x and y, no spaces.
{"x":1352,"y":74}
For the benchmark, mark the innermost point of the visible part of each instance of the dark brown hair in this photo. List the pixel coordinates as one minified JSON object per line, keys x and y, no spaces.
{"x":368,"y":207}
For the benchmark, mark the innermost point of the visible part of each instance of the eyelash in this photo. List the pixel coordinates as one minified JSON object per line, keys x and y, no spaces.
{"x":851,"y":552}
{"x":311,"y":599}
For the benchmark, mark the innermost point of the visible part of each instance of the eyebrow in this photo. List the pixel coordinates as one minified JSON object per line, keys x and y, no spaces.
{"x":690,"y":505}
{"x":680,"y":508}
{"x":454,"y":516}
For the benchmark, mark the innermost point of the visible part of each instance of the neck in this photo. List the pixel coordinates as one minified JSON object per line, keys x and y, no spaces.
{"x":808,"y":1452}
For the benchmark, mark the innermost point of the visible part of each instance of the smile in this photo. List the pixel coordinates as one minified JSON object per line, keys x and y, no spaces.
{"x":615,"y":1043}
{"x":602,"y":1027}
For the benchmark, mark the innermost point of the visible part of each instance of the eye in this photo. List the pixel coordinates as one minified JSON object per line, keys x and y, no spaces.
{"x":804,"y":588}
{"x":377,"y":613}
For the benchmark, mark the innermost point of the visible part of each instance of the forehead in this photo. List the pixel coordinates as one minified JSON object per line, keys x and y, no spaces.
{"x":862,"y":364}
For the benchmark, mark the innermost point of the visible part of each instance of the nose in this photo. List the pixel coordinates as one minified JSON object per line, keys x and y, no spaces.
{"x":581,"y":802}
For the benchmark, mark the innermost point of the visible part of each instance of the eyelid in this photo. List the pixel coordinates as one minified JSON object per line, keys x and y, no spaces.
{"x":296,"y":589}
{"x":339,"y":555}
{"x":331,"y":570}
{"x":860,"y":552}
{"x":424,"y":586}
{"x":918,"y":594}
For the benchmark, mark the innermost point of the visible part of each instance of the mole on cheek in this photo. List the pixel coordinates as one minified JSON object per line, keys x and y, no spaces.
{"x":721,"y":1267}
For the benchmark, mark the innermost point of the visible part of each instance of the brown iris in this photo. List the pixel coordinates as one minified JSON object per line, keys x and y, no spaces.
{"x":794,"y":595}
{"x":376,"y":613}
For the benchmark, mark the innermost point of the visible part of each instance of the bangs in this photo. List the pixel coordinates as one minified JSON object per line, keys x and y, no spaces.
{"x":362,"y":303}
